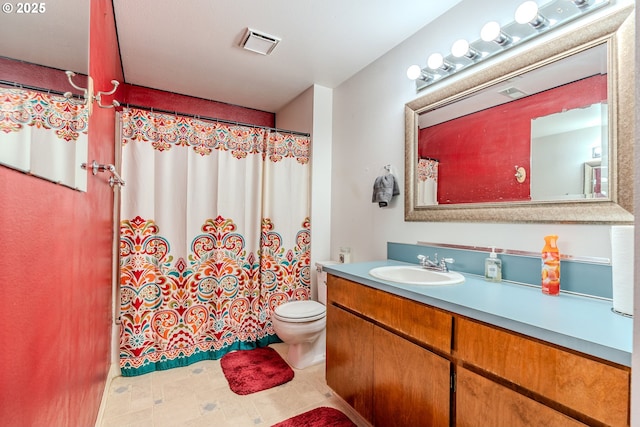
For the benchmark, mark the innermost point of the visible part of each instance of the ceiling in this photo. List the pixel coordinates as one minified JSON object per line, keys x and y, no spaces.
{"x":58,"y":37}
{"x":192,"y":47}
{"x":586,"y":63}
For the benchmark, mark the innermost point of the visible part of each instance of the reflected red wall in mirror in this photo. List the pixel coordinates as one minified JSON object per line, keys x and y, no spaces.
{"x":478,"y":152}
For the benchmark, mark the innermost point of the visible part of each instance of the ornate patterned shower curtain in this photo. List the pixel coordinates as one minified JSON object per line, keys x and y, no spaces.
{"x":214,"y":235}
{"x":44,"y":135}
{"x":427,"y":182}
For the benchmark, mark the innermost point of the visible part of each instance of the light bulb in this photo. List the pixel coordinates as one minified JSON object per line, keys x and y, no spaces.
{"x":490,"y":31}
{"x":460,"y":48}
{"x":527,"y":13}
{"x":413,"y":72}
{"x":435,"y":61}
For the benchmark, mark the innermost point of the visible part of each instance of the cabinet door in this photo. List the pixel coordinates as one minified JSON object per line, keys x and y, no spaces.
{"x":591,"y":387}
{"x":481,"y":402}
{"x":350,"y":359}
{"x":411,"y":385}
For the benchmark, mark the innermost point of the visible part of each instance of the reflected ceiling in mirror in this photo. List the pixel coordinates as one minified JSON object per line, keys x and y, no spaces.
{"x":598,"y":59}
{"x":52,"y":34}
{"x":40,"y":42}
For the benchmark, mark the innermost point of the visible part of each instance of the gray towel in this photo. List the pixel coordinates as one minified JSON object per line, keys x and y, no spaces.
{"x":384,"y":188}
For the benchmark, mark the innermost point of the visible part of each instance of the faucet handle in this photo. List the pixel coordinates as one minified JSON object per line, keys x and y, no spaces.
{"x":423,"y":259}
{"x":448,"y":260}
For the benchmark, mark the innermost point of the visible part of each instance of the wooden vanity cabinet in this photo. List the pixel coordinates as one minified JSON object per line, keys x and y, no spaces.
{"x":378,"y":357}
{"x":395,"y":360}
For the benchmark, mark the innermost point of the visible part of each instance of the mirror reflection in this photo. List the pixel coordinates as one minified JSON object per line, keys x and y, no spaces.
{"x":538,"y":136}
{"x":43,"y":132}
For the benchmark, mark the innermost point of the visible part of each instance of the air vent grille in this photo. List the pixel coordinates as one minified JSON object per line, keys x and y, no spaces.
{"x":513,"y":93}
{"x":259,"y":42}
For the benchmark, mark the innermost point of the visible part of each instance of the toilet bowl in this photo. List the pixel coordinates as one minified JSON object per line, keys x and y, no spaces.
{"x":301,"y":325}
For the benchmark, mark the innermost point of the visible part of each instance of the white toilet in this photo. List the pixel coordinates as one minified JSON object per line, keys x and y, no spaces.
{"x":301,"y":325}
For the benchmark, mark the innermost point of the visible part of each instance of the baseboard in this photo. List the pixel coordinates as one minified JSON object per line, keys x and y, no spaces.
{"x":114,"y":371}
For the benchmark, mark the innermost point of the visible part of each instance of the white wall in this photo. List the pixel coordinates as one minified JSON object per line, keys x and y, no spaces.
{"x":369,"y":133}
{"x":311,"y":112}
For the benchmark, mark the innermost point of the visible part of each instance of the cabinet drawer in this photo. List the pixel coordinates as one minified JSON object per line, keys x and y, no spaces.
{"x":593,"y":388}
{"x":427,"y":325}
{"x":481,"y":402}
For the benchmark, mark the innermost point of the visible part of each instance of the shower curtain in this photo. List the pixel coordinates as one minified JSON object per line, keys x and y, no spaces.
{"x":44,"y":135}
{"x":427,"y":182}
{"x":214,"y":234}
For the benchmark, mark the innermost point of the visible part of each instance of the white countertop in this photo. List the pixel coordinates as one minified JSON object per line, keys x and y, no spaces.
{"x":579,"y":323}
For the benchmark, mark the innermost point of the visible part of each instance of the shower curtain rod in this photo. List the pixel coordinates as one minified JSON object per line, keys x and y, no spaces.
{"x":17,"y":85}
{"x":212,"y":119}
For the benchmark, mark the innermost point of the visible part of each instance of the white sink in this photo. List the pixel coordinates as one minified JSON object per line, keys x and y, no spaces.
{"x":416,"y":275}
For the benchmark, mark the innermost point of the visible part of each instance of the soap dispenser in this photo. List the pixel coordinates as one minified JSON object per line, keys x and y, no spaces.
{"x":493,"y":267}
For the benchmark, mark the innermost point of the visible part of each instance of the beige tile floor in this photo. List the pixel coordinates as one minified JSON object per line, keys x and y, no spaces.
{"x":198,"y":395}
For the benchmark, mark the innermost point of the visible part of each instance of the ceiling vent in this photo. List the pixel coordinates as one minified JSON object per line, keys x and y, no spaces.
{"x":259,"y":42}
{"x":513,"y":93}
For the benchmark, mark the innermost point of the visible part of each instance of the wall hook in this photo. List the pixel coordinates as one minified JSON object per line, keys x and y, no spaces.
{"x":88,"y":92}
{"x":114,"y":103}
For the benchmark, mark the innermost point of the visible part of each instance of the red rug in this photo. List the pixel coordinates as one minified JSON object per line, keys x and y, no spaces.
{"x":250,"y":371}
{"x":319,"y":417}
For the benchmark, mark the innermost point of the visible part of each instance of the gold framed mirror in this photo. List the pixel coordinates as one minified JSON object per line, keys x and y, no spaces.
{"x":611,"y":203}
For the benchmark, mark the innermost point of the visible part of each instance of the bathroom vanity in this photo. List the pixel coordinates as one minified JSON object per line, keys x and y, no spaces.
{"x":475,"y":354}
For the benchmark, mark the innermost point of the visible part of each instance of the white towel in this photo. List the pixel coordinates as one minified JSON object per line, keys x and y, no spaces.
{"x":384,"y":188}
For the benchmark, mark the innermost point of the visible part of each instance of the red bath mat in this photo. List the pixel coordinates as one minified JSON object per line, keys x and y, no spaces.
{"x":250,"y":371}
{"x":318,"y":417}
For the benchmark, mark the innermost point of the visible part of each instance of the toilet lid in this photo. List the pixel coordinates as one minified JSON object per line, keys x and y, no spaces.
{"x":301,"y":311}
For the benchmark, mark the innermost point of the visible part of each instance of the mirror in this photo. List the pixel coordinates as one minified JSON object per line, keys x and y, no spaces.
{"x":43,"y":40}
{"x":534,"y":166}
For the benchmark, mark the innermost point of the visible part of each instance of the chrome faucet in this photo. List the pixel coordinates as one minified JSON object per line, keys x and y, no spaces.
{"x":442,"y":265}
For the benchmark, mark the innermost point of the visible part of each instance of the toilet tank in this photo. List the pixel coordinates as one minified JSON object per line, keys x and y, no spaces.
{"x":321,"y":280}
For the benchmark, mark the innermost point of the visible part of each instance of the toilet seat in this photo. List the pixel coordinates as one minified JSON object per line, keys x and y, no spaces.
{"x":300,"y":311}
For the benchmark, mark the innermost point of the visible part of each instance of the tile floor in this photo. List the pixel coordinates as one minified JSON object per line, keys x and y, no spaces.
{"x":198,"y":395}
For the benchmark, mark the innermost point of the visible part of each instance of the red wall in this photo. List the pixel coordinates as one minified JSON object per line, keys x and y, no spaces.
{"x":137,"y":95}
{"x":42,"y":77}
{"x":56,"y":254}
{"x":55,"y":259}
{"x":489,"y":144}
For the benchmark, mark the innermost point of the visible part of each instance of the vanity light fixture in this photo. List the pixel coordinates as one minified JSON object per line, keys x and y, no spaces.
{"x":491,"y":32}
{"x":530,"y":21}
{"x":527,"y":13}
